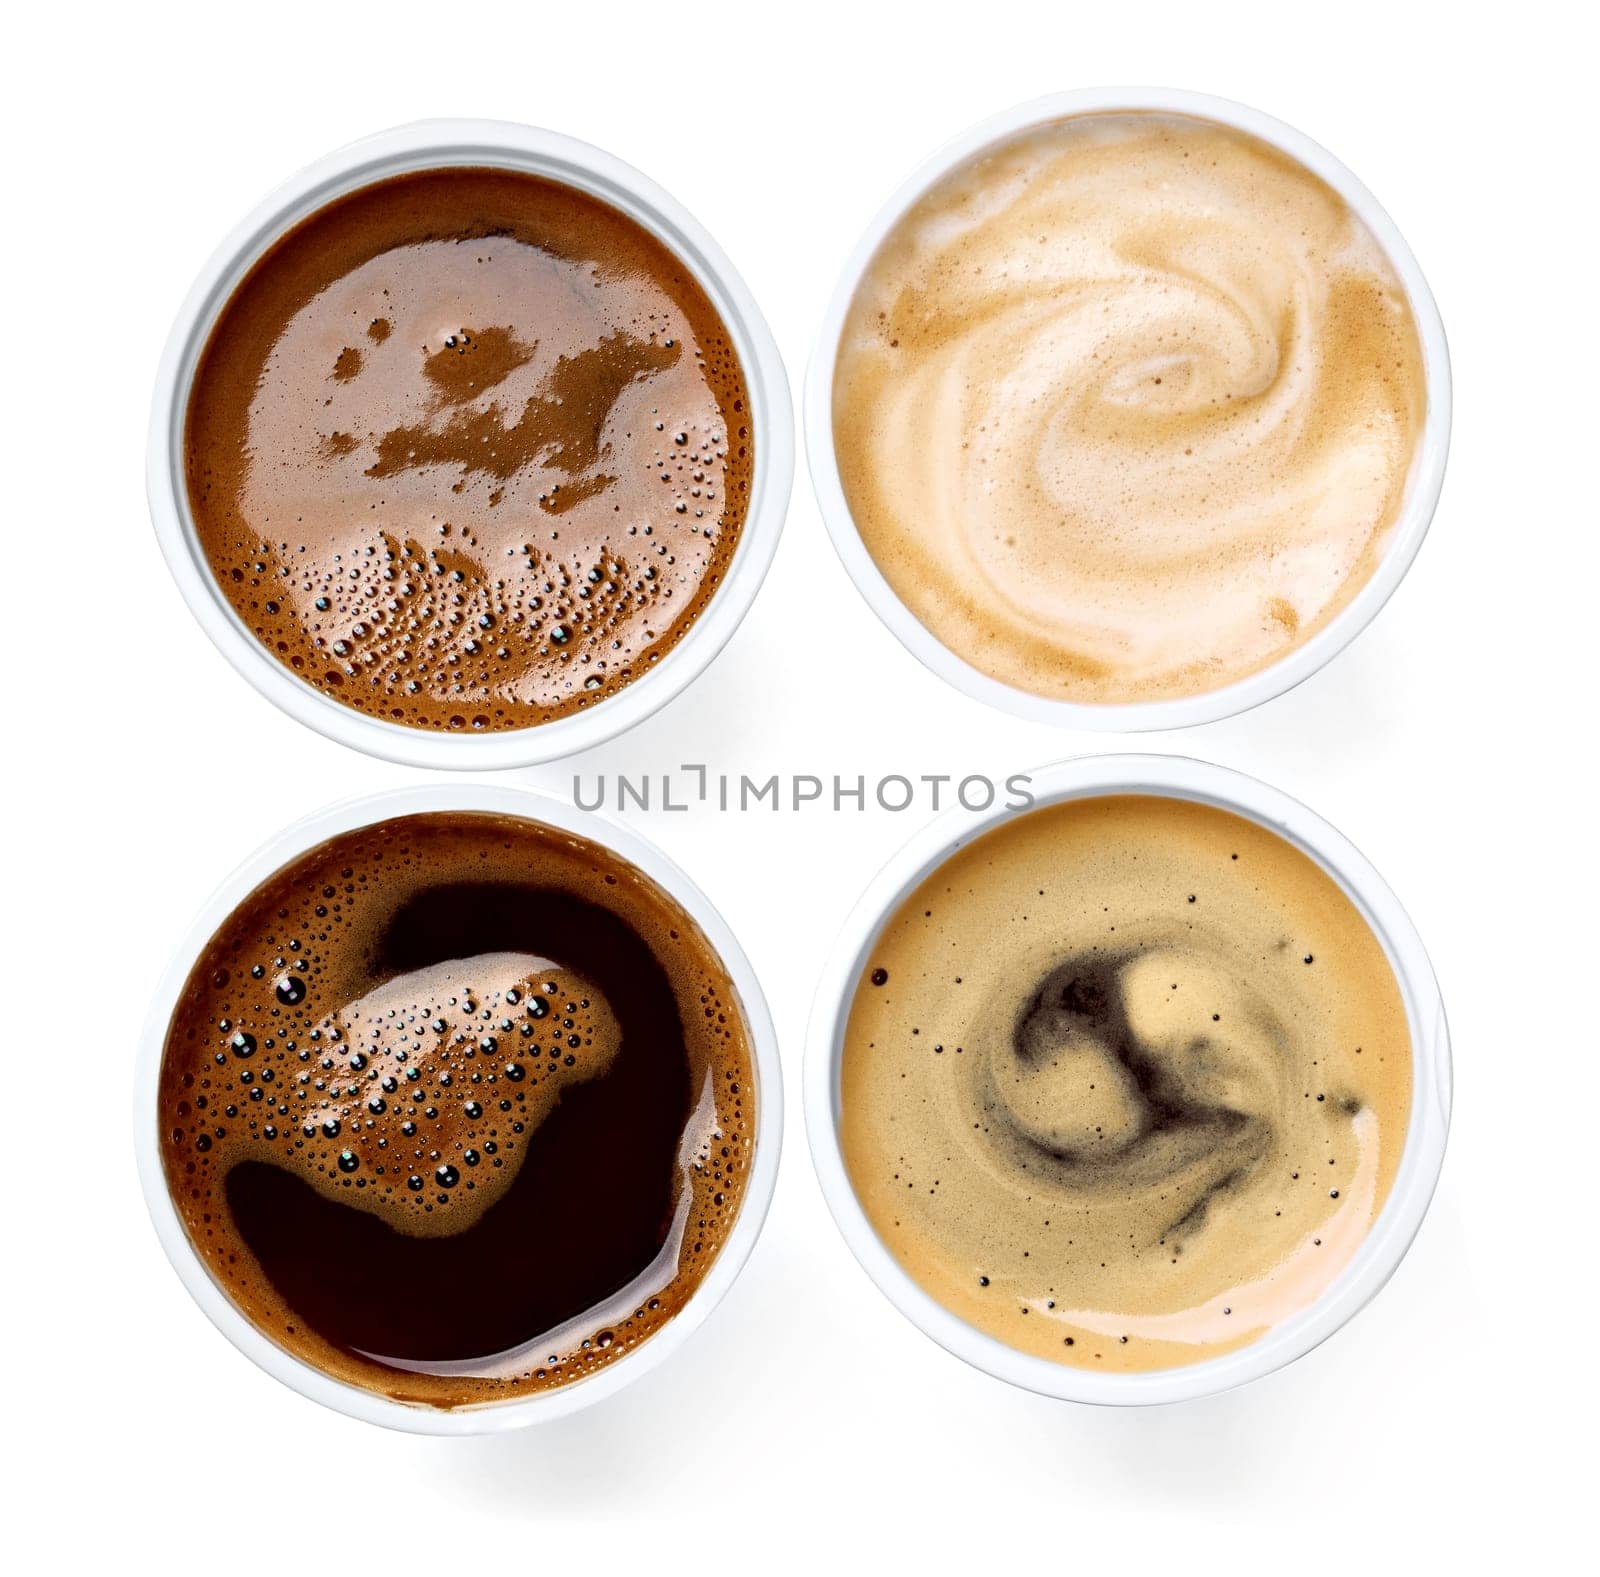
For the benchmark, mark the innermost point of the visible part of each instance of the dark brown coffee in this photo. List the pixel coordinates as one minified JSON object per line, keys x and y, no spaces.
{"x":458,"y":1107}
{"x":468,"y":449}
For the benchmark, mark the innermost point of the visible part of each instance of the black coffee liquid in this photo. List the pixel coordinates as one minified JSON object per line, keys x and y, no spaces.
{"x":458,"y":1106}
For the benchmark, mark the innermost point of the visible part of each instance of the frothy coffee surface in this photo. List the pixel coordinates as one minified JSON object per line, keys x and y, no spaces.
{"x":468,"y":450}
{"x":1125,"y":1082}
{"x":458,"y":1107}
{"x":1125,"y":408}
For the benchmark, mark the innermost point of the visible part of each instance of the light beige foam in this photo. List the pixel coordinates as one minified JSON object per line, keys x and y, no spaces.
{"x":1134,"y":1088}
{"x":1124,"y":409}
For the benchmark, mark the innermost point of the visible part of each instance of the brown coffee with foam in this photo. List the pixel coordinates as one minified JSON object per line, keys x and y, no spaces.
{"x":458,"y":1107}
{"x":468,"y":449}
{"x":1125,"y":408}
{"x":1125,"y":1082}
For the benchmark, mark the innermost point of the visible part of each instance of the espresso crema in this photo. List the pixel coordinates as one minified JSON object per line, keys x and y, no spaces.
{"x":1125,"y":1082}
{"x":1125,"y":407}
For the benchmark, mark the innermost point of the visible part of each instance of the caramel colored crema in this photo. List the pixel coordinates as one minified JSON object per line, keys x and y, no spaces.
{"x":468,"y":450}
{"x":458,"y":1107}
{"x":1125,"y":407}
{"x":1125,"y":1082}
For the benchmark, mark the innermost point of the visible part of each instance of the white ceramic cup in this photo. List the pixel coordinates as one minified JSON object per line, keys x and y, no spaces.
{"x":1385,"y":1245}
{"x":1422,"y":487}
{"x":487,"y":1417}
{"x":438,"y":144}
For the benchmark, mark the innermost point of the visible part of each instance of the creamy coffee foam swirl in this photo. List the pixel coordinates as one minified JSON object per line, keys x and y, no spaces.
{"x":1125,"y":1082}
{"x":1124,"y":409}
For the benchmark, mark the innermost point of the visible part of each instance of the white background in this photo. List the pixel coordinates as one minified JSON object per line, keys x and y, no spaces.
{"x":807,"y":1419}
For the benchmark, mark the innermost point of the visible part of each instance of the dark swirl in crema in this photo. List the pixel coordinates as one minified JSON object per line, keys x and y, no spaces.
{"x":1133,"y":1083}
{"x":1142,"y":1117}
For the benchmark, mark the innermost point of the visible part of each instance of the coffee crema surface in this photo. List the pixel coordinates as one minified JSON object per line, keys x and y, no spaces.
{"x":1125,"y":1082}
{"x":458,"y":1107}
{"x":468,"y":449}
{"x":1125,"y":407}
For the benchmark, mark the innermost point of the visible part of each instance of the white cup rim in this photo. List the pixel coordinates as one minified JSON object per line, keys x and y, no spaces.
{"x":1391,"y":1234}
{"x":1423,"y":485}
{"x":435,"y":144}
{"x":487,"y":1417}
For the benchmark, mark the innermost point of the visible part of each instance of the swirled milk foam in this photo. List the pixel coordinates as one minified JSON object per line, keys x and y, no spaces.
{"x":1125,"y":407}
{"x":1125,"y":1082}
